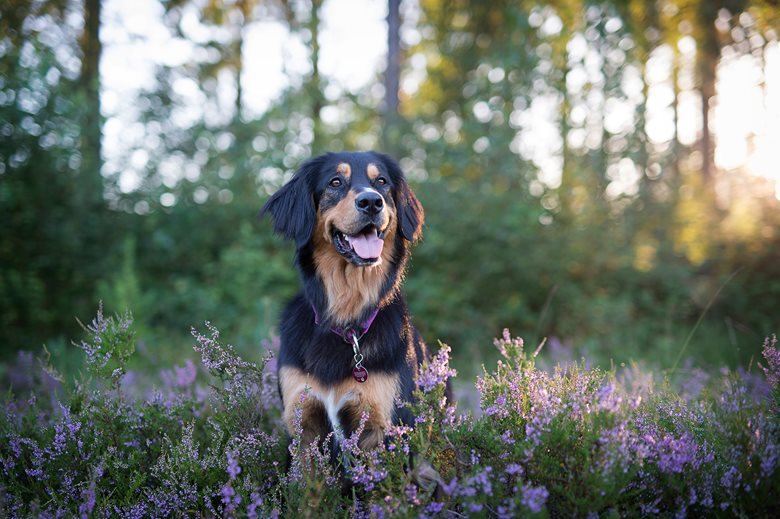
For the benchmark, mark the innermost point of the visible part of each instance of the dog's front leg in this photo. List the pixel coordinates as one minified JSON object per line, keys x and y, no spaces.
{"x":314,"y":422}
{"x":376,"y":397}
{"x":374,"y":427}
{"x":296,"y":390}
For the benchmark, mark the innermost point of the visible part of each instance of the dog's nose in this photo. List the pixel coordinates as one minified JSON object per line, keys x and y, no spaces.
{"x":369,"y":202}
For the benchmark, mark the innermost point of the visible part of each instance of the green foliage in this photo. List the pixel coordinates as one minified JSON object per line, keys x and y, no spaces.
{"x":57,"y":240}
{"x":111,"y":346}
{"x":620,"y":272}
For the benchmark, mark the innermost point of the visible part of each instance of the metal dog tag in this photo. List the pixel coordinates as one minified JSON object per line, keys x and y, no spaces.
{"x":360,"y":374}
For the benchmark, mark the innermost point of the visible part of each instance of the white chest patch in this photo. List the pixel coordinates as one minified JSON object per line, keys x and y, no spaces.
{"x":333,"y":404}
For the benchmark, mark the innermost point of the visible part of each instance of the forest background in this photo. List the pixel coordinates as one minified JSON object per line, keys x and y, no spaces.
{"x":605,"y":174}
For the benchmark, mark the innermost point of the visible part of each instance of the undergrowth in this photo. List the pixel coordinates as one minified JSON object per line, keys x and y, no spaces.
{"x":208,"y":441}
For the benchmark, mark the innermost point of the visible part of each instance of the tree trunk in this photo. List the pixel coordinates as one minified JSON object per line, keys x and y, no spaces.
{"x":676,"y":111}
{"x":706,"y":67}
{"x":89,"y":83}
{"x":315,"y":83}
{"x":568,"y":180}
{"x":391,"y":131}
{"x":245,"y":7}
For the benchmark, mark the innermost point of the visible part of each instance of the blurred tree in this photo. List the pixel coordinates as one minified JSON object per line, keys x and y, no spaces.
{"x":56,"y":241}
{"x":234,"y":16}
{"x":315,"y":84}
{"x":528,"y":141}
{"x":218,"y":169}
{"x":613,"y":215}
{"x":89,"y":90}
{"x":391,"y":130}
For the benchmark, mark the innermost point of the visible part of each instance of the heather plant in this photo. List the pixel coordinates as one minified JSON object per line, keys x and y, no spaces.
{"x":193,"y":444}
{"x":772,"y":355}
{"x":205,"y":439}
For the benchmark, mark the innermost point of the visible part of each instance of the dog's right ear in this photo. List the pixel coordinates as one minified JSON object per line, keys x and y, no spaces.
{"x":292,"y":207}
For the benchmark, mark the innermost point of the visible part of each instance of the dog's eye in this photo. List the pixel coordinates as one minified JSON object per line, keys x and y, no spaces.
{"x":381,"y":181}
{"x":335,"y":182}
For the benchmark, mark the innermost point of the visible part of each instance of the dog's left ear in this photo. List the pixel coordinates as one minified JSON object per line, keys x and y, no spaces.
{"x":411,"y":215}
{"x":292,"y":207}
{"x":410,"y":211}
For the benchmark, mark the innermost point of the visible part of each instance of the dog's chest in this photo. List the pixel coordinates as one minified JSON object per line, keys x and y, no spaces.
{"x":345,"y":401}
{"x":334,"y":399}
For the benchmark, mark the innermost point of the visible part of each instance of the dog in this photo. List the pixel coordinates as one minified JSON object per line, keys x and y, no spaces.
{"x":347,"y":339}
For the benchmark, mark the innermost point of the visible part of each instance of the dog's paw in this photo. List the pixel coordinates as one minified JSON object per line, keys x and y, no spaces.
{"x":371,"y":438}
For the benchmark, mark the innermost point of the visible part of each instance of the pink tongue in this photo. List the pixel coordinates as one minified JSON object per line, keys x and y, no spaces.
{"x":367,"y":245}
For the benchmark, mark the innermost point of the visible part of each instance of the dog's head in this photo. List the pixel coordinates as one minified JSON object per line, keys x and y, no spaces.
{"x":356,"y":203}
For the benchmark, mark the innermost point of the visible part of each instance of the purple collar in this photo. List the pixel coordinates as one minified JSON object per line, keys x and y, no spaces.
{"x":348,"y":332}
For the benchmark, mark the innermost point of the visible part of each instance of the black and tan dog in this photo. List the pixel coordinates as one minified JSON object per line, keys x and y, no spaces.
{"x":347,"y":338}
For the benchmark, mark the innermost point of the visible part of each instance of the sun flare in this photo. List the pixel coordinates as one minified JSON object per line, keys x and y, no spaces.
{"x":747,"y":116}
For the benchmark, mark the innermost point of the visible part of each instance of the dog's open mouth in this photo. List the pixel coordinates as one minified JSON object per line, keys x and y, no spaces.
{"x":363,"y":248}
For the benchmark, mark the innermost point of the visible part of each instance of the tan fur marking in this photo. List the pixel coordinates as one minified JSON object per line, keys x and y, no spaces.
{"x":345,"y":169}
{"x":342,"y":216}
{"x":350,"y":289}
{"x":293,"y":382}
{"x":376,"y":395}
{"x":378,"y":399}
{"x":372,"y":171}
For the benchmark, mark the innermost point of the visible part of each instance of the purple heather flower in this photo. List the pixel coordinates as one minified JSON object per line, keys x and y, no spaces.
{"x":233,"y":469}
{"x":498,"y":408}
{"x":731,"y":478}
{"x":475,"y":508}
{"x":770,"y":459}
{"x":256,"y":501}
{"x":88,"y":501}
{"x":534,"y":498}
{"x":367,"y":470}
{"x":296,"y":470}
{"x":507,"y":346}
{"x":449,"y":488}
{"x":607,"y":399}
{"x":692,"y":387}
{"x":650,"y":508}
{"x":507,"y":437}
{"x":219,"y":358}
{"x":351,"y":444}
{"x":506,"y":511}
{"x":772,"y":355}
{"x":230,"y":499}
{"x":377,"y":511}
{"x":451,"y":418}
{"x":410,"y":491}
{"x":434,"y":508}
{"x":675,"y":453}
{"x":185,"y":376}
{"x":513,"y":469}
{"x":474,"y":457}
{"x":436,"y":372}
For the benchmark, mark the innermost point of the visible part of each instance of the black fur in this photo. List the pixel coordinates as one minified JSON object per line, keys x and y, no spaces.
{"x":292,"y":207}
{"x":391,"y":346}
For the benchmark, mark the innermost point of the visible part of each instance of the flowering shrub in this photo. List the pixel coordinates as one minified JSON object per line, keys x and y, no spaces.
{"x":208,"y":441}
{"x":113,"y":448}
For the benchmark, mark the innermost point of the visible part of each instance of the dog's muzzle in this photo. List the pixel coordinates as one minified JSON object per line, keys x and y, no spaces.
{"x":363,"y":248}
